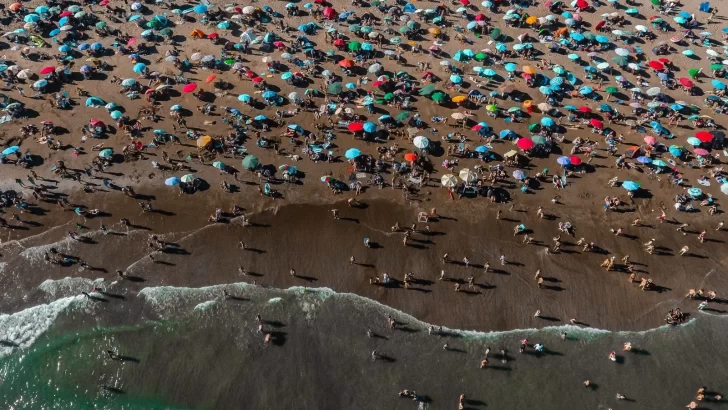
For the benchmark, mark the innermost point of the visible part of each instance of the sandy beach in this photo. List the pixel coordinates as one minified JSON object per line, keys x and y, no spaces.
{"x":312,"y":260}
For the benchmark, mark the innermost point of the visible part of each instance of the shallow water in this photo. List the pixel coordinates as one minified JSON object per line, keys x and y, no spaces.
{"x":191,"y":348}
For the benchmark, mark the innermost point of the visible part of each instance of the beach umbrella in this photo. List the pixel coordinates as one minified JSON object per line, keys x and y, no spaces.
{"x":244,"y":98}
{"x":439,"y":96}
{"x":701,"y":151}
{"x":336,"y":88}
{"x":11,"y":150}
{"x":650,"y":140}
{"x":675,"y":150}
{"x":188,"y":88}
{"x":620,"y":61}
{"x":585,"y":90}
{"x":139,"y":67}
{"x":704,"y":136}
{"x":525,"y":143}
{"x":519,"y":175}
{"x":188,"y":178}
{"x":456,"y":79}
{"x":575,"y":160}
{"x":545,"y":90}
{"x":694,"y":141}
{"x":218,"y":165}
{"x":538,"y":140}
{"x":717,"y":84}
{"x":260,"y":117}
{"x":652,"y":92}
{"x":724,"y":188}
{"x":481,"y":149}
{"x":427,"y":90}
{"x":611,"y":90}
{"x":421,"y":142}
{"x":403,"y":116}
{"x":356,"y":127}
{"x":369,"y":127}
{"x":410,"y":156}
{"x":563,"y":160}
{"x":510,"y":67}
{"x":352,"y":153}
{"x":644,"y":160}
{"x":596,"y":123}
{"x":115,"y":114}
{"x":40,"y":84}
{"x":449,"y":180}
{"x":547,"y":122}
{"x":47,"y":70}
{"x":346,"y":63}
{"x":172,"y":181}
{"x":630,"y":185}
{"x":467,"y":175}
{"x":250,"y":162}
{"x":602,"y":39}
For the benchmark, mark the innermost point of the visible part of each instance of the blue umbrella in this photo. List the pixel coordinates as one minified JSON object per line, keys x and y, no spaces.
{"x":42,"y":9}
{"x":11,"y":150}
{"x":644,"y":160}
{"x":605,"y":107}
{"x":659,"y":163}
{"x":459,"y":56}
{"x":200,"y":9}
{"x":718,"y":84}
{"x":31,"y":18}
{"x":139,"y":67}
{"x":97,"y":46}
{"x":630,"y":185}
{"x":472,"y":25}
{"x":296,"y":128}
{"x":695,"y":192}
{"x":83,"y":46}
{"x":135,"y":17}
{"x":172,"y":181}
{"x":685,"y":14}
{"x":244,"y":98}
{"x":367,"y":47}
{"x":545,"y":90}
{"x":370,"y":127}
{"x":65,"y":49}
{"x":260,"y":117}
{"x":505,"y":133}
{"x":676,"y":107}
{"x":55,"y":32}
{"x":456,"y":79}
{"x":694,"y":141}
{"x":571,"y":108}
{"x":501,"y":47}
{"x":585,"y":90}
{"x":510,"y":67}
{"x":675,"y":150}
{"x":563,"y":160}
{"x":567,"y":15}
{"x":489,"y":72}
{"x":602,"y":39}
{"x":481,"y":148}
{"x":352,"y":153}
{"x":384,"y":118}
{"x":576,"y":36}
{"x":269,"y":94}
{"x":94,"y":101}
{"x":519,"y":175}
{"x":223,"y":25}
{"x":547,"y":122}
{"x":286,"y":75}
{"x":115,"y":115}
{"x":556,"y":81}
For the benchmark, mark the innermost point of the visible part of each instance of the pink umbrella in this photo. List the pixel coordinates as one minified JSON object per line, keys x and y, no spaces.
{"x":131,"y":41}
{"x":650,"y":140}
{"x":188,"y":88}
{"x":700,"y":151}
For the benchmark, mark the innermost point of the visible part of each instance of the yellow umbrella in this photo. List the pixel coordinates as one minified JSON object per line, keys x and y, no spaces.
{"x":434,"y":30}
{"x":459,"y":98}
{"x":204,"y":140}
{"x":527,"y":103}
{"x":531,"y":20}
{"x":529,"y":69}
{"x":492,"y":108}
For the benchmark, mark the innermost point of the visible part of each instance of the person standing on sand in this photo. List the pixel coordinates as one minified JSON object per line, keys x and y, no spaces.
{"x":720,"y":226}
{"x":701,"y":237}
{"x":684,"y":250}
{"x":502,"y":260}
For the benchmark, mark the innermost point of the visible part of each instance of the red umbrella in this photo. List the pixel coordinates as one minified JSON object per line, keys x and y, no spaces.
{"x":656,"y":65}
{"x":339,"y":42}
{"x":525,"y":143}
{"x":410,"y":156}
{"x":597,"y":124}
{"x":663,"y":60}
{"x":346,"y":63}
{"x":575,"y":160}
{"x":585,"y":109}
{"x":329,"y":12}
{"x":251,"y":74}
{"x":188,"y":88}
{"x":465,"y":2}
{"x":601,"y":24}
{"x":704,"y":136}
{"x":480,"y":17}
{"x":104,"y":2}
{"x":96,"y":123}
{"x":687,"y":83}
{"x":213,"y":35}
{"x":377,"y":83}
{"x":258,"y":80}
{"x":65,"y":14}
{"x":47,"y":70}
{"x":356,"y":126}
{"x":279,"y":44}
{"x":582,"y":4}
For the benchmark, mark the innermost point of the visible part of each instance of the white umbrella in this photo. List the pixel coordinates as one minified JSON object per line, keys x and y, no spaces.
{"x":641,"y":28}
{"x":196,"y":57}
{"x":248,"y":10}
{"x":207,"y":58}
{"x":633,"y":66}
{"x":622,"y":52}
{"x":458,"y":116}
{"x":724,"y":189}
{"x":67,"y":27}
{"x":373,"y":34}
{"x":711,"y":53}
{"x":25,"y":74}
{"x":421,"y":142}
{"x":449,"y":180}
{"x":545,"y":107}
{"x":468,"y":175}
{"x":653,"y":91}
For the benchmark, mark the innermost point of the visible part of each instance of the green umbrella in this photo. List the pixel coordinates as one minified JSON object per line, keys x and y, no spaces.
{"x":229,"y":61}
{"x":495,"y":34}
{"x":656,"y":2}
{"x":250,"y":162}
{"x":533,"y":127}
{"x":480,"y":57}
{"x":514,"y":109}
{"x":693,"y":72}
{"x":611,"y":90}
{"x":355,"y":28}
{"x":404,"y":29}
{"x":538,"y":140}
{"x":439,"y":96}
{"x":403,"y":116}
{"x":335,"y":88}
{"x":427,"y":90}
{"x":376,"y":3}
{"x":388,"y":96}
{"x":101,"y":24}
{"x":354,"y":46}
{"x":165,"y":31}
{"x":395,"y":40}
{"x":716,"y":66}
{"x":590,"y":36}
{"x":620,"y":60}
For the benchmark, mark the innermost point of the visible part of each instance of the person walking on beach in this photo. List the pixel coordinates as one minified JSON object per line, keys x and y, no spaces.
{"x":539,"y":212}
{"x":684,"y":250}
{"x":701,"y":237}
{"x":720,"y":226}
{"x":502,"y":260}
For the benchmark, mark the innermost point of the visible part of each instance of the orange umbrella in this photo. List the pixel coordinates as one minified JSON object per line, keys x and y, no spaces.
{"x":15,"y":7}
{"x":204,"y":140}
{"x":346,"y":63}
{"x":210,"y":78}
{"x":410,"y":156}
{"x":529,"y":70}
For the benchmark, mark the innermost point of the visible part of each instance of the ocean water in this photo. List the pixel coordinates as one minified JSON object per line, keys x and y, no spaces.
{"x":188,"y":348}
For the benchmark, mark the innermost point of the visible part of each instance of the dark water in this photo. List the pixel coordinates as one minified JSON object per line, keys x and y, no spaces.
{"x":191,"y":348}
